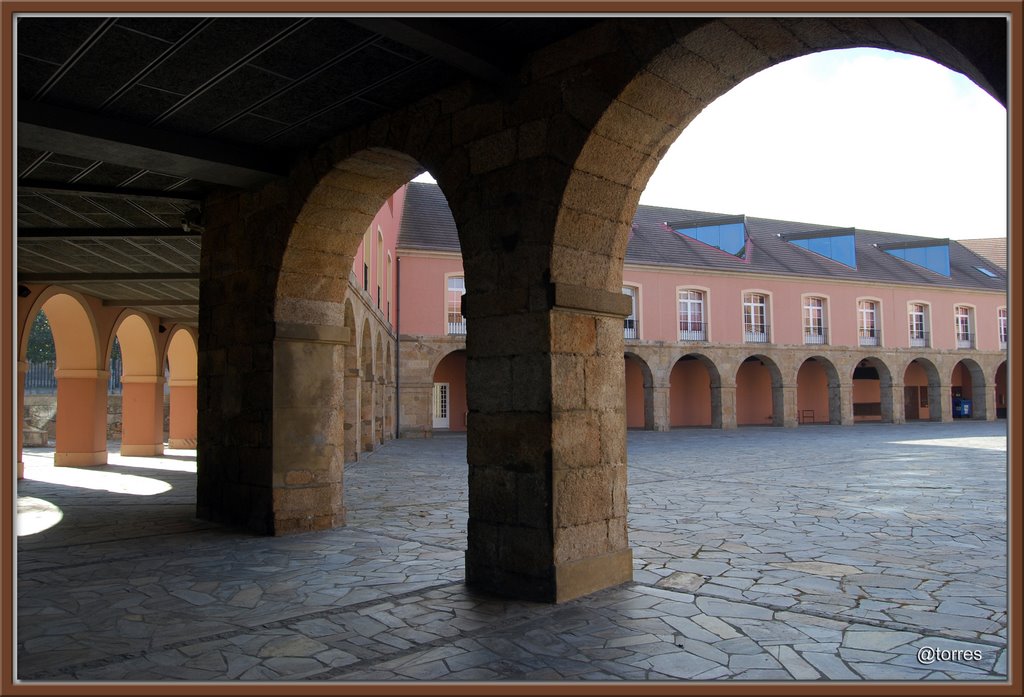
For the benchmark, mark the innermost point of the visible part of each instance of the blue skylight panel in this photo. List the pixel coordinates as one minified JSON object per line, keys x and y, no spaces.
{"x":836,"y":247}
{"x":934,"y":258}
{"x":728,"y":237}
{"x":987,"y":272}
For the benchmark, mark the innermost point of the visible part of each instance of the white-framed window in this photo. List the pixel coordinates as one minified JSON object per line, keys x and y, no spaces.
{"x":1004,"y":328}
{"x":630,"y":327}
{"x":868,"y":323}
{"x":964,"y":323}
{"x":453,"y":304}
{"x":756,"y":329}
{"x":917,"y":321}
{"x":815,"y":331}
{"x":692,"y":325}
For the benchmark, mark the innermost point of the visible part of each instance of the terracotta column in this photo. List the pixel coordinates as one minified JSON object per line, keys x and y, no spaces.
{"x":184,"y":427}
{"x":142,"y":411}
{"x":81,"y":417}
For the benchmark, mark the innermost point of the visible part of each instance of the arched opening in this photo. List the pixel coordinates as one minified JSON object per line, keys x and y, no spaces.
{"x":350,"y":401}
{"x":183,"y":362}
{"x":872,"y":391}
{"x":967,"y":390}
{"x":81,"y":384}
{"x":1000,"y":389}
{"x":142,"y":387}
{"x":817,"y":392}
{"x":758,"y":392}
{"x":921,"y":391}
{"x":639,"y":393}
{"x":694,"y":393}
{"x":448,"y":399}
{"x":366,"y":391}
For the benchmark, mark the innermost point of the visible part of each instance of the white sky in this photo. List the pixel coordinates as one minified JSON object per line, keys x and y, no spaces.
{"x":857,"y":138}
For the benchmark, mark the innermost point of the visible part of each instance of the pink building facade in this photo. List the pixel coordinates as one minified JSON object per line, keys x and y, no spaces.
{"x":772,"y":334}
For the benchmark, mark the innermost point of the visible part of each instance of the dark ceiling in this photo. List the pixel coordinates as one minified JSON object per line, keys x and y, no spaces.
{"x":126,"y":123}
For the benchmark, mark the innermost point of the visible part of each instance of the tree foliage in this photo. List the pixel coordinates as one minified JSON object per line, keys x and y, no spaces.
{"x":40,"y":341}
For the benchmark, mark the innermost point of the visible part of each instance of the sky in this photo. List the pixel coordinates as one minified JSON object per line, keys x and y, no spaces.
{"x":860,"y":138}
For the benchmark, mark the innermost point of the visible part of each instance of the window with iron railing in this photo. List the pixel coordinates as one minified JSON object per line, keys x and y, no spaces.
{"x":630,"y":330}
{"x":963,"y":321}
{"x":868,"y":331}
{"x":456,"y":289}
{"x":755,"y":318}
{"x":918,"y":320}
{"x":815,"y":331}
{"x":692,"y":326}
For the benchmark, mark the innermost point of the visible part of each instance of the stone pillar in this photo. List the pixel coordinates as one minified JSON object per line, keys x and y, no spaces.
{"x":20,"y":422}
{"x":81,"y":417}
{"x":183,"y":430}
{"x":547,"y":445}
{"x":351,"y":419}
{"x":790,"y":417}
{"x":662,"y":409}
{"x":415,"y":403}
{"x":899,"y":408}
{"x":846,"y":403}
{"x":723,"y":406}
{"x":308,"y":431}
{"x":142,"y":415}
{"x":944,"y":399}
{"x":988,"y":408}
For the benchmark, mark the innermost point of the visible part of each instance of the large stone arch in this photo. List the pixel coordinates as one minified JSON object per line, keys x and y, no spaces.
{"x":871,"y":402}
{"x":639,"y":393}
{"x":81,"y":438}
{"x":820,"y":371}
{"x":759,"y":386}
{"x":142,"y":383}
{"x":449,"y":367}
{"x":922,"y":382}
{"x":973,"y":385}
{"x":684,"y":381}
{"x":183,"y":363}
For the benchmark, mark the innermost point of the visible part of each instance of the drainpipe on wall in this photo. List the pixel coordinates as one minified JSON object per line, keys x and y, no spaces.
{"x":398,"y":344}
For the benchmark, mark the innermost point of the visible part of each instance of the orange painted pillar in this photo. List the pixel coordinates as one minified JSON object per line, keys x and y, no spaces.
{"x":184,"y":426}
{"x":81,"y":418}
{"x":142,"y":411}
{"x":22,"y":370}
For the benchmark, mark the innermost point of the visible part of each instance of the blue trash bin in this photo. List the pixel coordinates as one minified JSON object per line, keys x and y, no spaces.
{"x":965,"y":409}
{"x":958,"y":408}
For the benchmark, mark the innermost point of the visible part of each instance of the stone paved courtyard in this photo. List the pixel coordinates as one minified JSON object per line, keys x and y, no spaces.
{"x":817,"y":553}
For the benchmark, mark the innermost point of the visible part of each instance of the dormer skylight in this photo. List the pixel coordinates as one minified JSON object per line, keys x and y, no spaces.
{"x":727,"y":233}
{"x":929,"y":254}
{"x":837,"y":244}
{"x":987,"y":272}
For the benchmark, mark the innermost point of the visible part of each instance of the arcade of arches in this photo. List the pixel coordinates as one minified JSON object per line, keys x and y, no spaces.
{"x":542,"y":182}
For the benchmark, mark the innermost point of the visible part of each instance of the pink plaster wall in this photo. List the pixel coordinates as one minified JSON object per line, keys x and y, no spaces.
{"x":424,"y":287}
{"x":724,"y":308}
{"x":753,"y":395}
{"x":388,"y":220}
{"x":452,"y":369}
{"x":689,"y":394}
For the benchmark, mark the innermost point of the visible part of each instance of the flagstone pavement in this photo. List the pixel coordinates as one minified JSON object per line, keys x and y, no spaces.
{"x":824,"y":553}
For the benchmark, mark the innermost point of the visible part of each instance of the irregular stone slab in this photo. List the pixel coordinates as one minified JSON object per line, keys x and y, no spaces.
{"x":292,"y":646}
{"x":820,"y":568}
{"x":877,"y":640}
{"x":681,"y":664}
{"x":682,"y":580}
{"x":725,"y":608}
{"x":883,"y":581}
{"x":797,"y":667}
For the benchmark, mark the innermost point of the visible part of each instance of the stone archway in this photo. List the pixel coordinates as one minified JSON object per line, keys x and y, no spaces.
{"x":759,"y":397}
{"x":967,"y":382}
{"x":817,"y":392}
{"x":449,"y":398}
{"x":639,"y":392}
{"x":695,"y":392}
{"x":81,"y":438}
{"x":1001,"y":395}
{"x":182,"y":359}
{"x":142,"y":382}
{"x":922,"y":391}
{"x":872,"y":395}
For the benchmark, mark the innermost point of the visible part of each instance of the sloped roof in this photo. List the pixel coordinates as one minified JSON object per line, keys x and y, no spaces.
{"x":427,"y":224}
{"x":991,"y":248}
